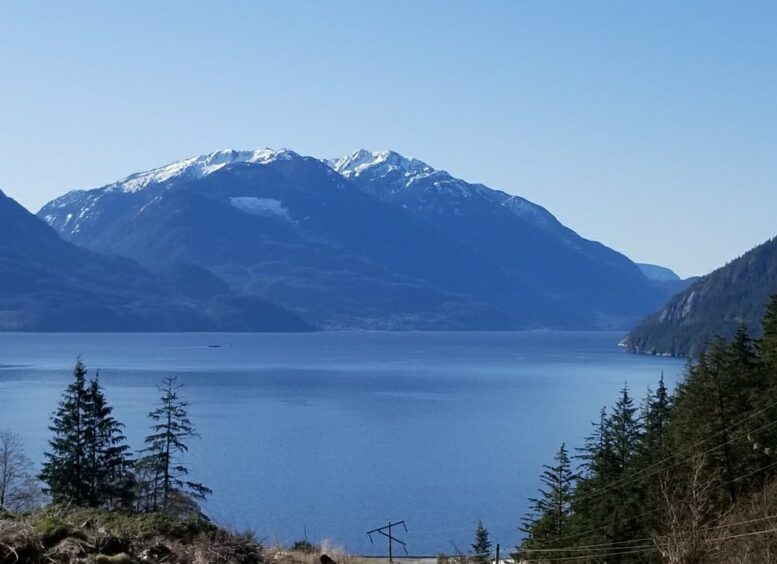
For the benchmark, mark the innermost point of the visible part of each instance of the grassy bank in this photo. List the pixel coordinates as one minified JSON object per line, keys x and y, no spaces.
{"x":76,"y":536}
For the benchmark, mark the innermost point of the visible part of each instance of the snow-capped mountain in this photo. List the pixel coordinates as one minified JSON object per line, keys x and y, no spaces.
{"x":372,"y":239}
{"x":380,"y":163}
{"x":197,"y":167}
{"x":394,"y":177}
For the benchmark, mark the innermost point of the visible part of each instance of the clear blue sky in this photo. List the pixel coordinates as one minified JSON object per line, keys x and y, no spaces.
{"x":650,"y":126}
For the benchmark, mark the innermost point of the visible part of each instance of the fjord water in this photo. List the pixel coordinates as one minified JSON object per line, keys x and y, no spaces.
{"x":334,"y":433}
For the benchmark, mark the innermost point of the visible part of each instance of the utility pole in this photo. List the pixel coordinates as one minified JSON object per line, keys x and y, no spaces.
{"x":497,"y":554}
{"x":386,"y":532}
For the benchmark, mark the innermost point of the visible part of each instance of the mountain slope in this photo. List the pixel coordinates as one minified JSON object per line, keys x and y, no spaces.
{"x":47,"y":284}
{"x":711,"y":307}
{"x":321,"y":239}
{"x":526,"y":239}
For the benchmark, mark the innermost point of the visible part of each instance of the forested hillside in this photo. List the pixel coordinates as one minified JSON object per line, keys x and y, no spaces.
{"x":682,"y":477}
{"x":714,"y":306}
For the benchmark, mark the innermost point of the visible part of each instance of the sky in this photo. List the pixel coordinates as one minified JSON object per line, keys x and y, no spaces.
{"x":649,"y":126}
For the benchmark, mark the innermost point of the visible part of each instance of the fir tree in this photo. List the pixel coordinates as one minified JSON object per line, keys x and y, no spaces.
{"x":66,"y":471}
{"x":655,"y":416}
{"x":164,"y":486}
{"x":625,"y":431}
{"x":88,"y":464}
{"x":654,"y":456}
{"x":481,"y":548}
{"x":548,"y":519}
{"x":107,"y":452}
{"x":605,"y":500}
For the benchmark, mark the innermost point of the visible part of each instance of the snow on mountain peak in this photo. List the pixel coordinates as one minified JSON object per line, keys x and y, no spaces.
{"x":198,"y":167}
{"x":381,"y":162}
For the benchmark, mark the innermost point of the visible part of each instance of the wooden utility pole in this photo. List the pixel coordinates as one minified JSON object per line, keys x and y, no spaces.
{"x":497,"y":555}
{"x":386,"y":532}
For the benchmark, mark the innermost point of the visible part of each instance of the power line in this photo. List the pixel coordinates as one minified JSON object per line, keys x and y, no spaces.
{"x":589,"y":556}
{"x":604,"y":546}
{"x":651,"y":511}
{"x":750,"y":534}
{"x":633,"y":550}
{"x":612,"y":545}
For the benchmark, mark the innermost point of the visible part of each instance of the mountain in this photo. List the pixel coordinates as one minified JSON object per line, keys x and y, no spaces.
{"x":524,"y":238}
{"x":371,"y":240}
{"x":47,"y":284}
{"x":658,"y":273}
{"x":713,"y":306}
{"x":664,"y":279}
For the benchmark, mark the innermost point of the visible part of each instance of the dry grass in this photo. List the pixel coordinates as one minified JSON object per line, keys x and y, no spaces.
{"x":87,"y":536}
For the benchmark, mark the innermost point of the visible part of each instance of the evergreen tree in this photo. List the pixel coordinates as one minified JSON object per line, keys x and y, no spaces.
{"x":481,"y":548}
{"x":605,"y":502}
{"x":713,"y":406}
{"x":66,"y":471}
{"x":654,"y":457}
{"x":88,"y":464}
{"x":107,"y":452}
{"x":625,"y":430}
{"x":767,"y":347}
{"x":548,"y":520}
{"x":655,"y":416}
{"x":164,"y":484}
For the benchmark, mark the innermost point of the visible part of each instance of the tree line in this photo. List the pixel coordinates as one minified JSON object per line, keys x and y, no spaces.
{"x":90,"y":464}
{"x":684,"y":476}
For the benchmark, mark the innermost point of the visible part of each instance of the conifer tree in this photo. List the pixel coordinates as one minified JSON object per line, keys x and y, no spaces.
{"x":107,"y":452}
{"x":66,"y":470}
{"x":165,"y":487}
{"x":625,"y":431}
{"x":605,"y":500}
{"x":656,"y":413}
{"x":549,"y":516}
{"x":653,"y":457}
{"x":88,"y":464}
{"x":481,"y":548}
{"x":719,"y":390}
{"x":767,"y":347}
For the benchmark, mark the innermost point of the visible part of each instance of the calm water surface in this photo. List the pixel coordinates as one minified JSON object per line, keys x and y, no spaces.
{"x":335,"y":433}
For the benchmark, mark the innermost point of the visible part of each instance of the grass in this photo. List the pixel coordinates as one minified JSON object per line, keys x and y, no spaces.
{"x":68,"y":535}
{"x":85,"y":536}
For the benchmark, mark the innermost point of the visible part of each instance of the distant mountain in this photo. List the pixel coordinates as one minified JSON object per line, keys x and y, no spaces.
{"x":665,"y":279}
{"x":713,"y":306}
{"x":47,"y":284}
{"x":658,"y":273}
{"x":371,"y":240}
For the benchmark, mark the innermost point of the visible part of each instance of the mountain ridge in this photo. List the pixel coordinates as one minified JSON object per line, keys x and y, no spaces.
{"x":414,"y":246}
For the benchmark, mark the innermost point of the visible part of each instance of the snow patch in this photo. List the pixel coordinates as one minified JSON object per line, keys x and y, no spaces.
{"x":261,"y":206}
